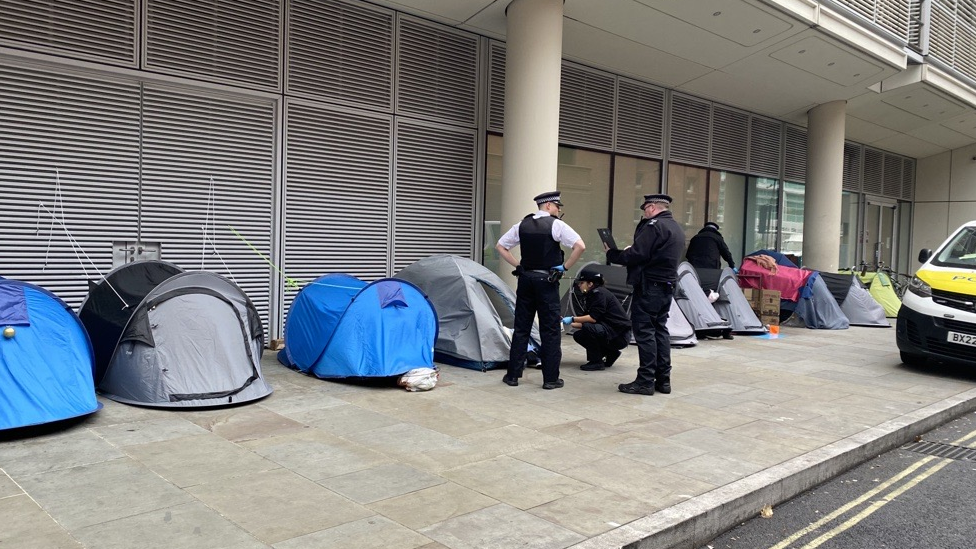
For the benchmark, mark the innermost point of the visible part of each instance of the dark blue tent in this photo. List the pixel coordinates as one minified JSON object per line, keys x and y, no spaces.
{"x":339,"y":326}
{"x":46,"y":360}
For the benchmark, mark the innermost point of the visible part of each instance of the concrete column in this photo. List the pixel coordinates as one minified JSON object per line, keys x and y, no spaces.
{"x":532,"y":67}
{"x":824,"y":187}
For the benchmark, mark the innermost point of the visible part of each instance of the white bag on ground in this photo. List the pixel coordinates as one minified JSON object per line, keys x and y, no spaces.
{"x":419,"y":379}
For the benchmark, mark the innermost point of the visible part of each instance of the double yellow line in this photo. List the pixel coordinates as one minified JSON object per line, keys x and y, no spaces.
{"x":870,"y":495}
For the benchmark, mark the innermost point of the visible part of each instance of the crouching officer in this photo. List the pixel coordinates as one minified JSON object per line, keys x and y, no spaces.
{"x":539,"y":235}
{"x":604,"y":326}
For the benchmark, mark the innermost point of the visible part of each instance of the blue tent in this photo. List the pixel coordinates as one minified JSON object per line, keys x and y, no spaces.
{"x":339,"y":326}
{"x":46,"y":360}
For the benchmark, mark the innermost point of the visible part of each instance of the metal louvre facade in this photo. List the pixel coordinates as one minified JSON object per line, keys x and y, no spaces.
{"x":318,"y":135}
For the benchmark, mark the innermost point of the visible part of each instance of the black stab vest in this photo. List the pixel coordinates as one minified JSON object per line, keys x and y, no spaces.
{"x":539,"y":251}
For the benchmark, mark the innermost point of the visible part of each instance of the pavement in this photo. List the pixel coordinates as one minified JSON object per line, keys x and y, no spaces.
{"x":475,"y":463}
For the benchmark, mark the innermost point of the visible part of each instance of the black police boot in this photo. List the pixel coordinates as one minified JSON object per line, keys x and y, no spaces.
{"x":663,"y":385}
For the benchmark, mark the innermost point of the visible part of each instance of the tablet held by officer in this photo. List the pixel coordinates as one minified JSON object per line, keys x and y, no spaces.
{"x":652,"y":269}
{"x":543,"y":262}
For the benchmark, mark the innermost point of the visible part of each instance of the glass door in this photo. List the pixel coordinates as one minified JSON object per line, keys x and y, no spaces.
{"x":879,"y":232}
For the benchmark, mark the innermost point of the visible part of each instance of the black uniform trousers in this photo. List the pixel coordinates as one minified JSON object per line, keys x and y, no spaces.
{"x":598,"y":341}
{"x":535,"y":294}
{"x":649,"y":318}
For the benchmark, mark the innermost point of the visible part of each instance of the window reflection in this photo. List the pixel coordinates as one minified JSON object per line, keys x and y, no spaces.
{"x":762,"y":214}
{"x":793,"y":198}
{"x":687,"y":187}
{"x":632,"y":179}
{"x":726,"y":206}
{"x":848,"y":229}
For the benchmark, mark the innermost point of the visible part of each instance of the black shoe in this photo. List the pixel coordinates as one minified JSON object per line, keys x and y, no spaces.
{"x":510,"y":381}
{"x":634,"y":388}
{"x":612,"y":357}
{"x":663,"y":387}
{"x":553,"y":384}
{"x":592,"y":366}
{"x":728,"y":336}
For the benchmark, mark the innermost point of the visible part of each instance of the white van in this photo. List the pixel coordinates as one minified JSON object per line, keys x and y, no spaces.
{"x":937,"y":318}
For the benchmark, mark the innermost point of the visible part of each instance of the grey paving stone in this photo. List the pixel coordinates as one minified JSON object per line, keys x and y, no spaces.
{"x":317,"y":455}
{"x":480,"y":529}
{"x":640,"y":481}
{"x":149,"y":430}
{"x":101,"y":492}
{"x":592,"y":511}
{"x":189,"y":526}
{"x":198,"y":459}
{"x":382,"y":482}
{"x":8,"y":487}
{"x":347,"y":419}
{"x":650,"y":449}
{"x":274,"y":506}
{"x":369,"y":533}
{"x":61,"y":450}
{"x":432,"y":505}
{"x":26,"y":526}
{"x":247,"y":423}
{"x":515,"y":482}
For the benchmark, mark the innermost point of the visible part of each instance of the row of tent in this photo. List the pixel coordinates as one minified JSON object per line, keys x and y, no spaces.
{"x":150,"y":333}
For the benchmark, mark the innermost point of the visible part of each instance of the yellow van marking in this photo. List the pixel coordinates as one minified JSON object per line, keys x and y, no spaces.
{"x":956,"y":282}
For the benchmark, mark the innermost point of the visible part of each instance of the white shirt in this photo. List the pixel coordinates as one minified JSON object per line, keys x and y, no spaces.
{"x":561,"y":232}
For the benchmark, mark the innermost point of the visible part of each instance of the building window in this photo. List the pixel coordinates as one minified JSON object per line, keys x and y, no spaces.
{"x":848,"y":229}
{"x":632,"y":179}
{"x":793,"y":195}
{"x":726,"y":206}
{"x":762,"y":214}
{"x":687,"y":187}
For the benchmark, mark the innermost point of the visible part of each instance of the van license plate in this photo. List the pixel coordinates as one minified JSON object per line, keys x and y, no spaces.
{"x":962,"y":339}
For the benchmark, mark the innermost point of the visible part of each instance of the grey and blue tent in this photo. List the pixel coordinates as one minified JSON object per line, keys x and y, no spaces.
{"x":855,"y":300}
{"x":174,"y":339}
{"x":694,"y":303}
{"x":475,"y":311}
{"x":817,"y":308}
{"x":731,"y":304}
{"x":46,"y":362}
{"x":341,"y":327}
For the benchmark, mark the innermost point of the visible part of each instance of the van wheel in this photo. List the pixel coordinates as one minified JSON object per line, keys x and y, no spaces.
{"x":912,"y":360}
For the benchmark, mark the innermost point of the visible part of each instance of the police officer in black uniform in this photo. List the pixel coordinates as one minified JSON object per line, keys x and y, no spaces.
{"x":707,"y":248}
{"x":603,"y":327}
{"x":652,"y":269}
{"x":542,"y":264}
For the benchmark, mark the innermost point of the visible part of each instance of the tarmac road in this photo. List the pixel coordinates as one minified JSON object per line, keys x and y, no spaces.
{"x":904,"y":499}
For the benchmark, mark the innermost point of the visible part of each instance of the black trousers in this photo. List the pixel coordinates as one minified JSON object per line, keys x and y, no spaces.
{"x":535,"y":294}
{"x":598,"y":341}
{"x":649,"y":317}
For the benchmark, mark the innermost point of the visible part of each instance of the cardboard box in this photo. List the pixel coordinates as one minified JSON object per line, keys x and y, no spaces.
{"x":769,"y":320}
{"x":751,"y":294}
{"x":769,"y":303}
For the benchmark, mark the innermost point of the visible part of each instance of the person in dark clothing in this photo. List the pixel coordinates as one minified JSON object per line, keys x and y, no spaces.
{"x":707,"y":247}
{"x":602,"y":329}
{"x":652,"y":269}
{"x":539,"y":235}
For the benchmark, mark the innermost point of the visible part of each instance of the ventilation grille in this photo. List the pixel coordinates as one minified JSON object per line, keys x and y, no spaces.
{"x":496,"y":87}
{"x":764,"y":147}
{"x":640,"y":119}
{"x":852,"y":167}
{"x":690,"y":132}
{"x":342,"y":52}
{"x":434,"y":197}
{"x":873,"y":172}
{"x":892,"y":175}
{"x":233,"y":41}
{"x":908,"y":180}
{"x":586,"y":107}
{"x":189,"y":139}
{"x":952,"y":34}
{"x":730,"y":139}
{"x":337,"y":193}
{"x":102,"y":29}
{"x":942,"y":450}
{"x":795,"y":156}
{"x":438,"y":71}
{"x":88,"y":129}
{"x":891,"y":15}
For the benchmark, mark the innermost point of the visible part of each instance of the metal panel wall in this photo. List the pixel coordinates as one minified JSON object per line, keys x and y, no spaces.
{"x":586,"y":107}
{"x":730,"y":139}
{"x":87,"y":129}
{"x":765,"y":138}
{"x":342,"y":52}
{"x":437,"y":72}
{"x":852,"y":167}
{"x":191,"y":137}
{"x":235,"y":42}
{"x":893,"y":170}
{"x":640,"y":119}
{"x":496,"y":87}
{"x":690,"y":130}
{"x":434,"y":186}
{"x":337,"y":192}
{"x":795,"y":155}
{"x":102,"y":30}
{"x":908,"y":179}
{"x":873,"y":182}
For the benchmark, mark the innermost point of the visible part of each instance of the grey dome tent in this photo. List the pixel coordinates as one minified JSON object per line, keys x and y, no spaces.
{"x":855,"y":300}
{"x":475,"y":310}
{"x":681,"y":332}
{"x":694,"y":303}
{"x":817,"y":308}
{"x":190,"y":339}
{"x":731,"y":304}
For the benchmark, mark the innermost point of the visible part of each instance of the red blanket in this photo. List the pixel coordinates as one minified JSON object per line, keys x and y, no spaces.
{"x":788,"y":280}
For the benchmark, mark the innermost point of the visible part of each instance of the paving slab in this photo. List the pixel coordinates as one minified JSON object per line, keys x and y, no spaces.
{"x":475,"y":463}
